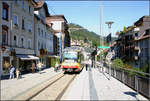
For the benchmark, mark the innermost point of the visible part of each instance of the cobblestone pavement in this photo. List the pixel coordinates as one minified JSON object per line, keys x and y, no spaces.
{"x":96,"y":85}
{"x":12,"y":88}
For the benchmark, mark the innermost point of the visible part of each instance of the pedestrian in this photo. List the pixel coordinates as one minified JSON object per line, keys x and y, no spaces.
{"x":86,"y":65}
{"x":33,"y":67}
{"x":39,"y":65}
{"x":18,"y":74}
{"x":12,"y":70}
{"x":56,"y":66}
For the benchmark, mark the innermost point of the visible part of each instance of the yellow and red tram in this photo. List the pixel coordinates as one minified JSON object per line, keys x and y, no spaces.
{"x":72,"y":60}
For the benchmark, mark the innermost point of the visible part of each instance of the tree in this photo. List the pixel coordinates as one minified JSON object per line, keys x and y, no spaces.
{"x":117,"y":63}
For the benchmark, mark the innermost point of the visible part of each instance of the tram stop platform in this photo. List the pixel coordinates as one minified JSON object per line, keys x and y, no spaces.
{"x":95,"y":85}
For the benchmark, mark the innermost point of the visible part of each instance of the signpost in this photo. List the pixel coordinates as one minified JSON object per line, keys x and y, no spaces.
{"x":103,"y":47}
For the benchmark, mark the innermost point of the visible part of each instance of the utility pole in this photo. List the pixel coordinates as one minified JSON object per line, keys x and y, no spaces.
{"x":101,"y":35}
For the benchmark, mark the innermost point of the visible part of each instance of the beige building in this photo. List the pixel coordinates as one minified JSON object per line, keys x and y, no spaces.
{"x":43,"y":33}
{"x":5,"y":15}
{"x":18,"y":34}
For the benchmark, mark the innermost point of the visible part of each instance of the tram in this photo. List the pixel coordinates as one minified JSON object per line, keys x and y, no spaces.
{"x":72,"y":59}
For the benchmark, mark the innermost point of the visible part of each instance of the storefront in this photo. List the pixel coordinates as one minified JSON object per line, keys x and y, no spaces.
{"x":25,"y":62}
{"x":5,"y":60}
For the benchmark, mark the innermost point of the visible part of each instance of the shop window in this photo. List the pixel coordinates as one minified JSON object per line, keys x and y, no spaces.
{"x":5,"y":11}
{"x":6,"y":65}
{"x":4,"y":35}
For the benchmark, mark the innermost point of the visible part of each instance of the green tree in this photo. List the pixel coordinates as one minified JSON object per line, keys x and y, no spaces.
{"x":117,"y":63}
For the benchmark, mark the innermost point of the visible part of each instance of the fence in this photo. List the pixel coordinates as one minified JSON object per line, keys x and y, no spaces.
{"x":135,"y":81}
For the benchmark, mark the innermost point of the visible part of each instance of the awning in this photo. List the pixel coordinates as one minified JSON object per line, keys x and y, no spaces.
{"x":27,"y":57}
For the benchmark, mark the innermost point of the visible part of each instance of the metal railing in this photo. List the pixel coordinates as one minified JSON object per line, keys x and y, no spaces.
{"x":133,"y":79}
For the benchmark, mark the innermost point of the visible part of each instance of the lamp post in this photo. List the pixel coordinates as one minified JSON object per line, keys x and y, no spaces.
{"x":109,"y":23}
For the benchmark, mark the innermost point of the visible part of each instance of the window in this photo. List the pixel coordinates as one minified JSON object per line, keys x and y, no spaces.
{"x":45,"y":34}
{"x":22,"y":3}
{"x":29,"y":27}
{"x":15,"y":41}
{"x":16,"y":1}
{"x":39,"y":45}
{"x":4,"y":35}
{"x":22,"y":42}
{"x":45,"y":46}
{"x":16,"y":20}
{"x":23,"y":24}
{"x":42,"y":46}
{"x":39,"y":31}
{"x":29,"y":44}
{"x":42,"y":32}
{"x":5,"y":11}
{"x":29,"y":9}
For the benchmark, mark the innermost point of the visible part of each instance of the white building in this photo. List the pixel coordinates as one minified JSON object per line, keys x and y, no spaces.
{"x":43,"y":33}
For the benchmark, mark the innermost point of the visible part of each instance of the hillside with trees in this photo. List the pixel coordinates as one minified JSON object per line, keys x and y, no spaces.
{"x":84,"y":34}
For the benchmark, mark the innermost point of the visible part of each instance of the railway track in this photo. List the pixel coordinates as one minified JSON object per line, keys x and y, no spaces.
{"x":51,"y":90}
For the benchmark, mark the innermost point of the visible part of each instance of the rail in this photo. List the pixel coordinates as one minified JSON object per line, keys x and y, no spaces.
{"x":131,"y":78}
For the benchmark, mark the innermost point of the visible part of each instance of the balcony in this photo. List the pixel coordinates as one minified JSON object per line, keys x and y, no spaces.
{"x":136,"y":48}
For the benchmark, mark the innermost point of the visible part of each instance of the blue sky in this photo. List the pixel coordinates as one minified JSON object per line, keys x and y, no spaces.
{"x":87,"y":13}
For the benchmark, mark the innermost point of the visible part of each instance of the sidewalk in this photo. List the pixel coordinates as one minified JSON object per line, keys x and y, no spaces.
{"x":11,"y":88}
{"x":96,"y":85}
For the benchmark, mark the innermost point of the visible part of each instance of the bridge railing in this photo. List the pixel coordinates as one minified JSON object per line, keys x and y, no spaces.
{"x":138,"y":81}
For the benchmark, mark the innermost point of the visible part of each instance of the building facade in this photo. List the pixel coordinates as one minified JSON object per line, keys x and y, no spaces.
{"x":18,"y":37}
{"x":5,"y":27}
{"x":43,"y":34}
{"x":134,"y":44}
{"x":59,"y":24}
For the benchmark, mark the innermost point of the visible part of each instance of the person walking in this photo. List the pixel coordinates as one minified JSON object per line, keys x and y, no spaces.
{"x":39,"y":65}
{"x":33,"y":67}
{"x":12,"y":70}
{"x":56,"y":66}
{"x":18,"y":74}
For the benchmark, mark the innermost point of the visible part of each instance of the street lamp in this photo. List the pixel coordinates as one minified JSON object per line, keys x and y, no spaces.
{"x":109,"y":23}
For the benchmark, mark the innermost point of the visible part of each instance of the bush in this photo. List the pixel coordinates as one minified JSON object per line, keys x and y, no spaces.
{"x":128,"y":66}
{"x":117,"y":63}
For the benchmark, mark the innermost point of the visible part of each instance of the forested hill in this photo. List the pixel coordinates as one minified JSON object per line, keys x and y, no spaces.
{"x":82,"y":34}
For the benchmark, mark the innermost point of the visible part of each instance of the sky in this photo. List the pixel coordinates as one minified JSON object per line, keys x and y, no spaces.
{"x":87,"y":13}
